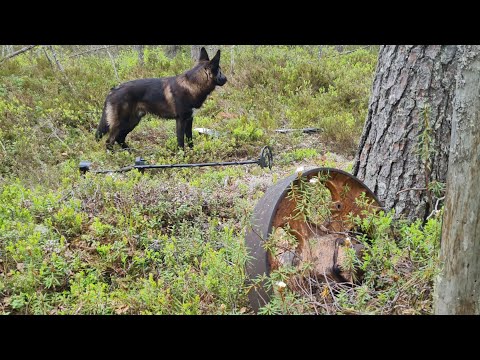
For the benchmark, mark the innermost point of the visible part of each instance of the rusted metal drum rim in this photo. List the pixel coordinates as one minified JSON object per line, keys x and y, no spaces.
{"x":261,"y":226}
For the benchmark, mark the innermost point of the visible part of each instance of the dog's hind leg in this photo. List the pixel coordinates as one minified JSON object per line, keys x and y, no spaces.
{"x":132,"y":124}
{"x":112,"y":136}
{"x":103,"y":127}
{"x":116,"y":133}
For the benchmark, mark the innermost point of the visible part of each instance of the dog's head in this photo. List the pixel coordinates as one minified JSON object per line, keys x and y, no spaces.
{"x":212,"y":67}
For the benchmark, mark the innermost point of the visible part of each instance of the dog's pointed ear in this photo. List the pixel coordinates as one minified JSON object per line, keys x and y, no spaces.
{"x":216,"y":59}
{"x":203,"y":55}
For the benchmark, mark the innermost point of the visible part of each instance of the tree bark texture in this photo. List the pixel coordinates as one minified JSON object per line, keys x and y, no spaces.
{"x":407,"y":79}
{"x":458,"y":287}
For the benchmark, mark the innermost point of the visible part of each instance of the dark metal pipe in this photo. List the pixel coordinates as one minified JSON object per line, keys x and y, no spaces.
{"x":196,"y":165}
{"x":265,"y":160}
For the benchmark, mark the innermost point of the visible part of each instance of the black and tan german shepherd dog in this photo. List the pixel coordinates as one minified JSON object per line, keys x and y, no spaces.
{"x":169,"y":97}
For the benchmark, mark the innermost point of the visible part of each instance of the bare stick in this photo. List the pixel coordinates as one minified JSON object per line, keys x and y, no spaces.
{"x":54,"y":54}
{"x":232,"y":61}
{"x":60,"y":67}
{"x":54,"y":132}
{"x":18,"y":52}
{"x":393,"y":302}
{"x":48,"y":57}
{"x":329,"y":288}
{"x":436,"y":208}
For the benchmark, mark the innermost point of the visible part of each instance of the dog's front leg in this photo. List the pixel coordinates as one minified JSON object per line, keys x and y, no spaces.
{"x":180,"y":128}
{"x":188,"y":132}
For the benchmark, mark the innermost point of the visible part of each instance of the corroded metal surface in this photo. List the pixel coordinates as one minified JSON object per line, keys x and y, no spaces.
{"x":319,"y":243}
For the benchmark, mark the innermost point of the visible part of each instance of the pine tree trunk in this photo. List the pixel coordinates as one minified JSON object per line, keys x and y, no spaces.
{"x":458,"y":287}
{"x":408,"y":79}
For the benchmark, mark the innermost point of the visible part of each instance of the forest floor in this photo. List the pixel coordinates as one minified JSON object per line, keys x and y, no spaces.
{"x":173,"y":241}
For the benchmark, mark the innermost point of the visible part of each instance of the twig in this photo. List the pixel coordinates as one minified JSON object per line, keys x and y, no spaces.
{"x":18,"y":52}
{"x":311,"y":295}
{"x":394,"y":301}
{"x":438,"y":200}
{"x":60,"y":67}
{"x":436,"y":208}
{"x":308,"y":294}
{"x":54,"y":133}
{"x":414,"y":189}
{"x":324,"y":299}
{"x":78,"y":309}
{"x":331,"y":291}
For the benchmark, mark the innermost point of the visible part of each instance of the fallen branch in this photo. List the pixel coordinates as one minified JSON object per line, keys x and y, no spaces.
{"x":48,"y":57}
{"x":54,"y":54}
{"x":18,"y":52}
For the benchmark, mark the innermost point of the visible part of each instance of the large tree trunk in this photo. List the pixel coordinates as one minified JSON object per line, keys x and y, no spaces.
{"x":458,"y":287}
{"x":408,"y":79}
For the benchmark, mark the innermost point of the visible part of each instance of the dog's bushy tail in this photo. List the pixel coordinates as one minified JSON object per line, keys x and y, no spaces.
{"x":102,"y":128}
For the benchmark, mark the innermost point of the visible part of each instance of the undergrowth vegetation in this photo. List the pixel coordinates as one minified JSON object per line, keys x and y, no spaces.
{"x":172,"y":241}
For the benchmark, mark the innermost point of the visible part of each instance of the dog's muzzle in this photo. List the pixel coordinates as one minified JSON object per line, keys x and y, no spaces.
{"x":221,"y":80}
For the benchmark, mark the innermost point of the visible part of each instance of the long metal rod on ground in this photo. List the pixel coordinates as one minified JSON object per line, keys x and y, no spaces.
{"x":246,"y":162}
{"x":265,"y":160}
